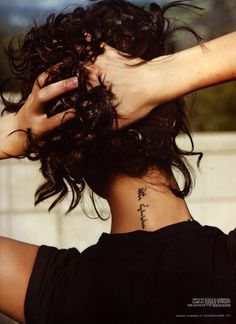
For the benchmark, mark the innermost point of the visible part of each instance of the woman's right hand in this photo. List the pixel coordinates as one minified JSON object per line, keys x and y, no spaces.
{"x":128,"y":80}
{"x":14,"y":126}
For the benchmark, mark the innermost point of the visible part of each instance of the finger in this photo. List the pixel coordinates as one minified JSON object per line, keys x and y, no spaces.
{"x":58,"y":119}
{"x":88,"y":37}
{"x":39,"y":82}
{"x":122,"y":56}
{"x":54,"y":90}
{"x":41,"y":79}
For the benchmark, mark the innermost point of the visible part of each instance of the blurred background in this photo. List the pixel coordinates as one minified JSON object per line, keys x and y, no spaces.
{"x":212,"y":114}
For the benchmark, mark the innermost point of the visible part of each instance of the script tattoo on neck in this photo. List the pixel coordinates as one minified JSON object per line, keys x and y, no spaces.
{"x":141,"y":193}
{"x":142,"y":206}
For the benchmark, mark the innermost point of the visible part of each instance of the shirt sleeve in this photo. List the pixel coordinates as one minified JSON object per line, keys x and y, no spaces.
{"x":49,"y":264}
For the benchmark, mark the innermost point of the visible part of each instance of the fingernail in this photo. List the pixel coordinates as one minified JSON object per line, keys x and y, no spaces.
{"x":88,"y":37}
{"x":74,"y":81}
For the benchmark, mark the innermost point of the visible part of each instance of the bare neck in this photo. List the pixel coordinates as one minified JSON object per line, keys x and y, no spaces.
{"x":144,"y":204}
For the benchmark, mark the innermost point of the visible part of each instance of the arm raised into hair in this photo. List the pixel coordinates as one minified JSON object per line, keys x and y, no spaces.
{"x":141,"y":87}
{"x":14,"y":126}
{"x":17,"y":258}
{"x":195,"y":68}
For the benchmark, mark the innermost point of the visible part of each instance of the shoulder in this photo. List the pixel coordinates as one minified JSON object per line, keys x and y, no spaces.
{"x":54,"y":274}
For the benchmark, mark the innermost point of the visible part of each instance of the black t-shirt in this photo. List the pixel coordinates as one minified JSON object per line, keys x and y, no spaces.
{"x":180,"y":273}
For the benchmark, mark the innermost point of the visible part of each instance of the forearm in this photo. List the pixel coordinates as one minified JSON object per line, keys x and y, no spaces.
{"x":193,"y":69}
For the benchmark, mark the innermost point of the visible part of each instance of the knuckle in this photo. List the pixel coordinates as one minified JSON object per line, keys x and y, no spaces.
{"x":66,"y":84}
{"x":69,"y":83}
{"x":35,"y":128}
{"x":39,"y":97}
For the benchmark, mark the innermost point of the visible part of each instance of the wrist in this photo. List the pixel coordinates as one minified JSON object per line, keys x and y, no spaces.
{"x":13,"y":141}
{"x":160,"y":76}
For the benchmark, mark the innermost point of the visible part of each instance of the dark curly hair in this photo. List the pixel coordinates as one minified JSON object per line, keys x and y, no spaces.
{"x":86,"y":149}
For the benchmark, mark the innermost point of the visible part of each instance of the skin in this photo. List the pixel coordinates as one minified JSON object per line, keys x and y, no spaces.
{"x":136,"y":204}
{"x":139,"y":89}
{"x":144,"y":203}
